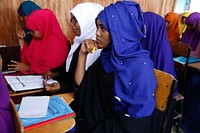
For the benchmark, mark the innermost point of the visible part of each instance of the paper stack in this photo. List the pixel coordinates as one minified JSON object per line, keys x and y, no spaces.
{"x":34,"y":106}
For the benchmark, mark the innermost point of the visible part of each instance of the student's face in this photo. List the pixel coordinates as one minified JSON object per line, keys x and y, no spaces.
{"x":183,"y":19}
{"x":168,"y":24}
{"x":75,"y":25}
{"x":23,"y":19}
{"x":103,"y":38}
{"x":191,"y":27}
{"x":36,"y":35}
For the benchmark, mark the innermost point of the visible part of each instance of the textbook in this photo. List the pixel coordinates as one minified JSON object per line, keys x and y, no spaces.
{"x":182,"y":59}
{"x":58,"y":109}
{"x":27,"y":82}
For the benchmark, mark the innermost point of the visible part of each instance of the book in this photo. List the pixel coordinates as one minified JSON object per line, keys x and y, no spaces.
{"x":27,"y":82}
{"x":9,"y":53}
{"x":58,"y":109}
{"x":34,"y":106}
{"x":182,"y":59}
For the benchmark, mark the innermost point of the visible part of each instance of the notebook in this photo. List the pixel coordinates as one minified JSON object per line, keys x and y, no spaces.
{"x":9,"y":53}
{"x":182,"y":59}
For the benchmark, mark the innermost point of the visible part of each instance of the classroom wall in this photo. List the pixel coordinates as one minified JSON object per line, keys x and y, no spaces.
{"x":10,"y":21}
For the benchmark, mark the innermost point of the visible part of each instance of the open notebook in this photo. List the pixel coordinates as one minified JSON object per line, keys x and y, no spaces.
{"x":9,"y":53}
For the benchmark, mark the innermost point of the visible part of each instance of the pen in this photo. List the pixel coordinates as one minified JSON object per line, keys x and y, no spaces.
{"x":20,"y":81}
{"x":28,"y":32}
{"x":94,"y":48}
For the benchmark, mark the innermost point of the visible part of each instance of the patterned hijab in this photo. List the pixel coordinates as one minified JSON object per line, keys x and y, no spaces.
{"x":25,"y":9}
{"x":125,"y":56}
{"x":181,"y":25}
{"x":192,"y":38}
{"x":85,"y":13}
{"x":173,"y":33}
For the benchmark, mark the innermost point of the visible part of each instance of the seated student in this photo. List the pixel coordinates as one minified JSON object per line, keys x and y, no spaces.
{"x":181,"y":22}
{"x":172,"y":26}
{"x":113,"y":97}
{"x":83,"y":25}
{"x":48,"y":47}
{"x":24,"y":10}
{"x":6,"y":119}
{"x":157,"y":44}
{"x":192,"y":34}
{"x":191,"y":114}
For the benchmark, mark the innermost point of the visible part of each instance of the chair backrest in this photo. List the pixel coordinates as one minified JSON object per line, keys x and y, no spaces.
{"x":166,"y":84}
{"x":17,"y":122}
{"x":165,"y":88}
{"x":181,"y":49}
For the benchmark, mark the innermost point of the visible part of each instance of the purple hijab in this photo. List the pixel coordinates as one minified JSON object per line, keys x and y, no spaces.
{"x":156,"y":42}
{"x":192,"y":38}
{"x":134,"y":80}
{"x":6,"y":120}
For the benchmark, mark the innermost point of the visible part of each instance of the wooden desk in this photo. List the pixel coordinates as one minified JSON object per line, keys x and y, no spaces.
{"x":58,"y":126}
{"x":22,"y":93}
{"x":195,"y":66}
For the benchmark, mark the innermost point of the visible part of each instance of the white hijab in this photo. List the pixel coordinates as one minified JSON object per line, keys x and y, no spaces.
{"x":85,"y":13}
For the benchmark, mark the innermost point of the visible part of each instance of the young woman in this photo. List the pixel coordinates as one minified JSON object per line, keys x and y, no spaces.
{"x":83,"y":25}
{"x":191,"y":114}
{"x":182,"y":24}
{"x":172,"y":26}
{"x":157,"y":44}
{"x":192,"y":34}
{"x":24,"y":10}
{"x":113,"y":95}
{"x":48,"y":47}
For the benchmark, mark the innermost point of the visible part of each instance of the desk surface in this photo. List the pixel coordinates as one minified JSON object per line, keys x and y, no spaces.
{"x":21,"y":93}
{"x":54,"y":127}
{"x":195,"y":66}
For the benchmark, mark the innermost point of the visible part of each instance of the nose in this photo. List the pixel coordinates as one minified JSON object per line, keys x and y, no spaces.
{"x":97,"y":32}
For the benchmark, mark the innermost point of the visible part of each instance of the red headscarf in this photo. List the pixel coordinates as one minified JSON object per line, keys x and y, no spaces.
{"x":49,"y":52}
{"x":173,"y":33}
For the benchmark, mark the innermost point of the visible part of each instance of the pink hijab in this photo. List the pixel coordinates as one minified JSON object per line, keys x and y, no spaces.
{"x":52,"y":50}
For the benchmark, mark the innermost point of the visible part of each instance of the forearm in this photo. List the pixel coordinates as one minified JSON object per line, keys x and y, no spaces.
{"x":80,"y":69}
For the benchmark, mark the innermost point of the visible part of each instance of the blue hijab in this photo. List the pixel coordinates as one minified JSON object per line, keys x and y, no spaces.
{"x":134,"y":80}
{"x":25,"y":9}
{"x":156,"y":42}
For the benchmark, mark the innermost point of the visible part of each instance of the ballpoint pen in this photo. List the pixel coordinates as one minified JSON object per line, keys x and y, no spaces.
{"x":20,"y":81}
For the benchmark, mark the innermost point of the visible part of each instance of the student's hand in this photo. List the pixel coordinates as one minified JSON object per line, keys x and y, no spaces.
{"x":88,"y":46}
{"x":21,"y":34}
{"x":18,"y":66}
{"x":49,"y":75}
{"x":54,"y":87}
